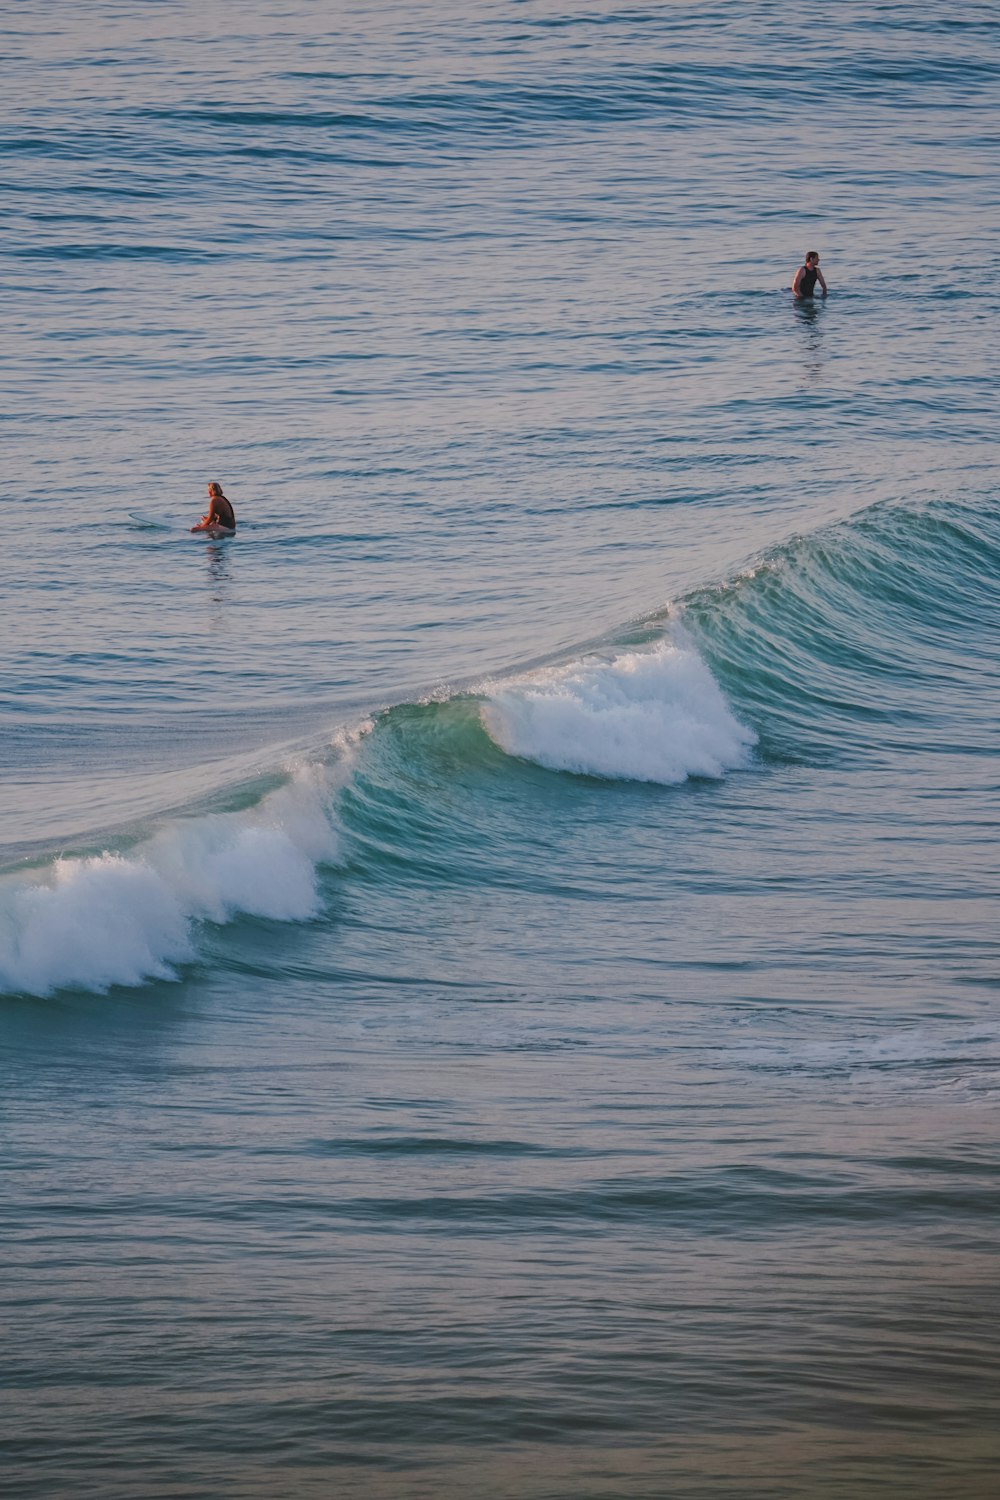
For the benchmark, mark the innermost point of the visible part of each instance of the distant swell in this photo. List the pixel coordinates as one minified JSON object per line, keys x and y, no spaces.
{"x":655,"y":715}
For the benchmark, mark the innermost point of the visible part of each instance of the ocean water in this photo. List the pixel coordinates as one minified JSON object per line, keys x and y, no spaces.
{"x":499,"y":960}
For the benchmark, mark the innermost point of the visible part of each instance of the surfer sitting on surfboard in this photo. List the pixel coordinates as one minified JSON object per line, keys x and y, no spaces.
{"x":220,"y":520}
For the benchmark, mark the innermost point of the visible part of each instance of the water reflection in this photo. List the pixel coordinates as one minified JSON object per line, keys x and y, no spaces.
{"x":219,"y":572}
{"x":809,"y":315}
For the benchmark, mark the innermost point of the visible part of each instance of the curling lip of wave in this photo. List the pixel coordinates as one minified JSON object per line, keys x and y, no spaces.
{"x":656,"y":715}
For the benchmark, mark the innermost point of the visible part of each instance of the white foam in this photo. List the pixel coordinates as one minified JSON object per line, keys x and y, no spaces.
{"x":655,"y":715}
{"x":119,"y":918}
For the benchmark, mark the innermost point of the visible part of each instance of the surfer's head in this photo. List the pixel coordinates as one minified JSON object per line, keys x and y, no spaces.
{"x":214,"y":490}
{"x":812,"y":257}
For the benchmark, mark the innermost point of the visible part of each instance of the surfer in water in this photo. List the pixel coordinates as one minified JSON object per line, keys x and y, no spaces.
{"x":807,"y":276}
{"x":221,"y":519}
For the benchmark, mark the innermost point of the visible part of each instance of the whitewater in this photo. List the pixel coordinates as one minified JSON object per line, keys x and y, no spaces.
{"x":498,"y":961}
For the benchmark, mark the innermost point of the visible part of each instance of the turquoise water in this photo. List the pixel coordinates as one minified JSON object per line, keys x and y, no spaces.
{"x":498,"y":960}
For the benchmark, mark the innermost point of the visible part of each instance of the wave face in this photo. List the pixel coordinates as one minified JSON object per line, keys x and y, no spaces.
{"x":654,"y":715}
{"x":865,"y":638}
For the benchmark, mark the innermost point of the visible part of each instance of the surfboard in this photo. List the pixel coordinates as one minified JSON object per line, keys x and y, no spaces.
{"x":150,"y":523}
{"x":153,"y":523}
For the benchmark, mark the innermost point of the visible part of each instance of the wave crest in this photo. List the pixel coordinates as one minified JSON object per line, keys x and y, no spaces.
{"x":655,"y":715}
{"x":113,"y":918}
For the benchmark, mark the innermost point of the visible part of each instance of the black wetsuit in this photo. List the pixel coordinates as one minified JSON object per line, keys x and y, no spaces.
{"x":807,"y":281}
{"x":222,"y":513}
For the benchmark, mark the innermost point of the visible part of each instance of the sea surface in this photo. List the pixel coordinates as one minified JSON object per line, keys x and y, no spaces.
{"x":499,"y":966}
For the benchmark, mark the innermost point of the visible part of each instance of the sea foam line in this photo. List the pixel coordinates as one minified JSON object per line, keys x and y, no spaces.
{"x":124,"y":918}
{"x":653,"y":715}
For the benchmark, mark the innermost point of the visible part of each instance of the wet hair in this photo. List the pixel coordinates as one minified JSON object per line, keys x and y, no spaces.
{"x":812,"y":255}
{"x":215,"y":489}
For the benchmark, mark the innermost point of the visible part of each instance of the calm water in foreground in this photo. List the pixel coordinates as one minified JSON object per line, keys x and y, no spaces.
{"x":499,"y":961}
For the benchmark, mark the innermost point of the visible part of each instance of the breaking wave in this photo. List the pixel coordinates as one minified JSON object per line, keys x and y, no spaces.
{"x":656,"y":715}
{"x":123,"y":918}
{"x":839,"y":644}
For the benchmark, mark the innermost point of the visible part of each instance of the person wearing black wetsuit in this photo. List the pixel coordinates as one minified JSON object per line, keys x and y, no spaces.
{"x":221,"y":518}
{"x":807,"y":276}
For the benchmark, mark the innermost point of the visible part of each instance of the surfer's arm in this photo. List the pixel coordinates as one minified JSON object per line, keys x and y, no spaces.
{"x":201,"y":524}
{"x":819,"y":278}
{"x":796,"y":282}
